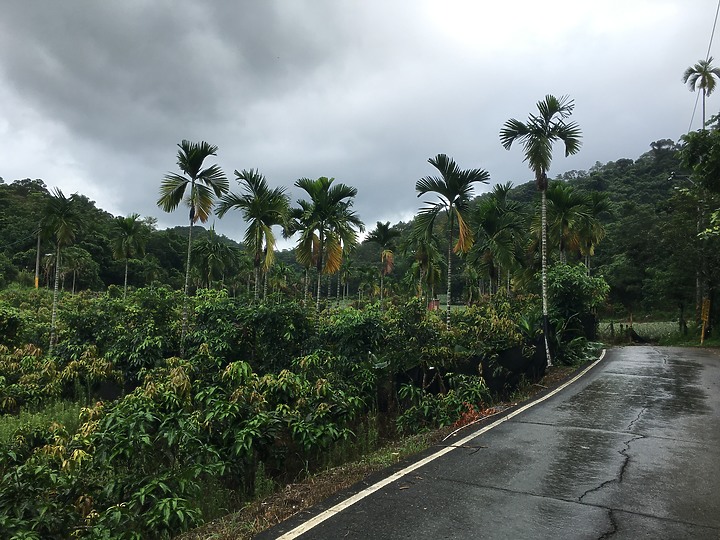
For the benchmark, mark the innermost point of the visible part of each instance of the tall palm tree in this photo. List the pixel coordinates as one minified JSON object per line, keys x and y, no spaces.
{"x":454,"y":188}
{"x":130,"y":234}
{"x":702,"y":76}
{"x":76,"y":260}
{"x":61,"y":221}
{"x":497,"y":224}
{"x":214,"y":259}
{"x":296,"y":217}
{"x":202,"y":183}
{"x":591,"y":230}
{"x":384,"y":236}
{"x":422,"y":245}
{"x":327,"y":224}
{"x":262,"y":208}
{"x":537,"y":136}
{"x":567,"y":211}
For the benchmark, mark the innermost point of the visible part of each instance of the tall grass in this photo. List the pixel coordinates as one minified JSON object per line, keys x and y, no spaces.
{"x":66,"y":413}
{"x":658,"y":332}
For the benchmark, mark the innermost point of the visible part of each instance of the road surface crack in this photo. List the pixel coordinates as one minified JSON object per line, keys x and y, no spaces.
{"x":631,"y":424}
{"x":621,"y":474}
{"x":613,"y":526}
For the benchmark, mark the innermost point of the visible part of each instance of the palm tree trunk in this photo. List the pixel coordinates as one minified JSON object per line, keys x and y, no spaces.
{"x":382,"y":287}
{"x":187,"y":289}
{"x":37,"y":259}
{"x":54,"y":306}
{"x":265,"y":285}
{"x":306,"y":285}
{"x":319,"y":271}
{"x":543,"y":250}
{"x":126,"y":273}
{"x":255,"y":273}
{"x":449,"y":268}
{"x":319,"y":291}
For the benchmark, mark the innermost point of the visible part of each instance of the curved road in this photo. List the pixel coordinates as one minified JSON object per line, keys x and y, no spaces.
{"x":630,"y":450}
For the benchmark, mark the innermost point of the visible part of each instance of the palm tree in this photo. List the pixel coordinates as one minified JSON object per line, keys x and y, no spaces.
{"x":567,"y":211}
{"x":702,"y":75}
{"x":327,"y":224}
{"x":537,"y":137}
{"x":130,"y":234}
{"x":427,"y":265}
{"x":497,"y":225}
{"x":454,"y":187}
{"x":203,"y":182}
{"x":214,"y":259}
{"x":61,"y":221}
{"x":75,"y":260}
{"x":591,"y":229}
{"x":261,"y":207}
{"x":384,"y":236}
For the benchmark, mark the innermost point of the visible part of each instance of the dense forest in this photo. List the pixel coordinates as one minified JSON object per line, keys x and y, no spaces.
{"x":634,"y":222}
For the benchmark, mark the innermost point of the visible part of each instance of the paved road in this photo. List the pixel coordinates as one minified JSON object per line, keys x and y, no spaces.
{"x":631,"y":450}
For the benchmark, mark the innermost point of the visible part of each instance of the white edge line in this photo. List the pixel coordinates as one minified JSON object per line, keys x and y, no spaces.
{"x":315,"y":521}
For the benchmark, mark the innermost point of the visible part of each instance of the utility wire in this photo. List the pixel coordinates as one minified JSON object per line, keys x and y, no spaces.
{"x":712,"y":34}
{"x":18,"y":241}
{"x":707,"y":57}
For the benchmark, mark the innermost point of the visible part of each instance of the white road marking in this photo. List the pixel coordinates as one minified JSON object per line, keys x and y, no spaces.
{"x":317,"y":520}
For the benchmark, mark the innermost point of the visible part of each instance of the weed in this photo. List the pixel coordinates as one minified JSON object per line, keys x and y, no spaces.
{"x":66,"y":413}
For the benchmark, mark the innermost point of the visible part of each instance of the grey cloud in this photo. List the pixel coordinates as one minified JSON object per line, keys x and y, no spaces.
{"x":364,"y":91}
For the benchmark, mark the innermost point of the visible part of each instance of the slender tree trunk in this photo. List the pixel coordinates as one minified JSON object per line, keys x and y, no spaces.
{"x":449,"y":268}
{"x":73,"y":285}
{"x":699,"y":269}
{"x":306,"y":285}
{"x":265,"y":285}
{"x":319,"y":271}
{"x":382,"y":288}
{"x":54,"y":306}
{"x":543,"y":249}
{"x":126,"y":273}
{"x":187,"y":290}
{"x":256,"y":273}
{"x":37,"y":259}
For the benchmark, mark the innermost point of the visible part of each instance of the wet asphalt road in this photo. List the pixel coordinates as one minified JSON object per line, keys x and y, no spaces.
{"x":631,"y":450}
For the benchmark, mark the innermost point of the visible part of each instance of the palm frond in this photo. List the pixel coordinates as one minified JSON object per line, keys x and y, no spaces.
{"x":172,"y":191}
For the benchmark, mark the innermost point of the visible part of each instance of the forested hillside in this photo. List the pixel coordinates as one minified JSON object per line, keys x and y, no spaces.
{"x":644,"y":243}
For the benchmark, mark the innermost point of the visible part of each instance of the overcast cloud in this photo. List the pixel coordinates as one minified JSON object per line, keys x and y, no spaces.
{"x":94,"y":96}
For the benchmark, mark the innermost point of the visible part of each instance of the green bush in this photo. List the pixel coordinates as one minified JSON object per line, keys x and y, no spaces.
{"x":10,"y":322}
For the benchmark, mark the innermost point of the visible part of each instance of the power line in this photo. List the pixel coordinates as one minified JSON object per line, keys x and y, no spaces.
{"x":707,"y":57}
{"x":17,"y":241}
{"x":712,"y":34}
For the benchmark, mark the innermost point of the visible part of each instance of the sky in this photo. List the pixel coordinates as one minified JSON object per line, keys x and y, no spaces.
{"x":95,"y":96}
